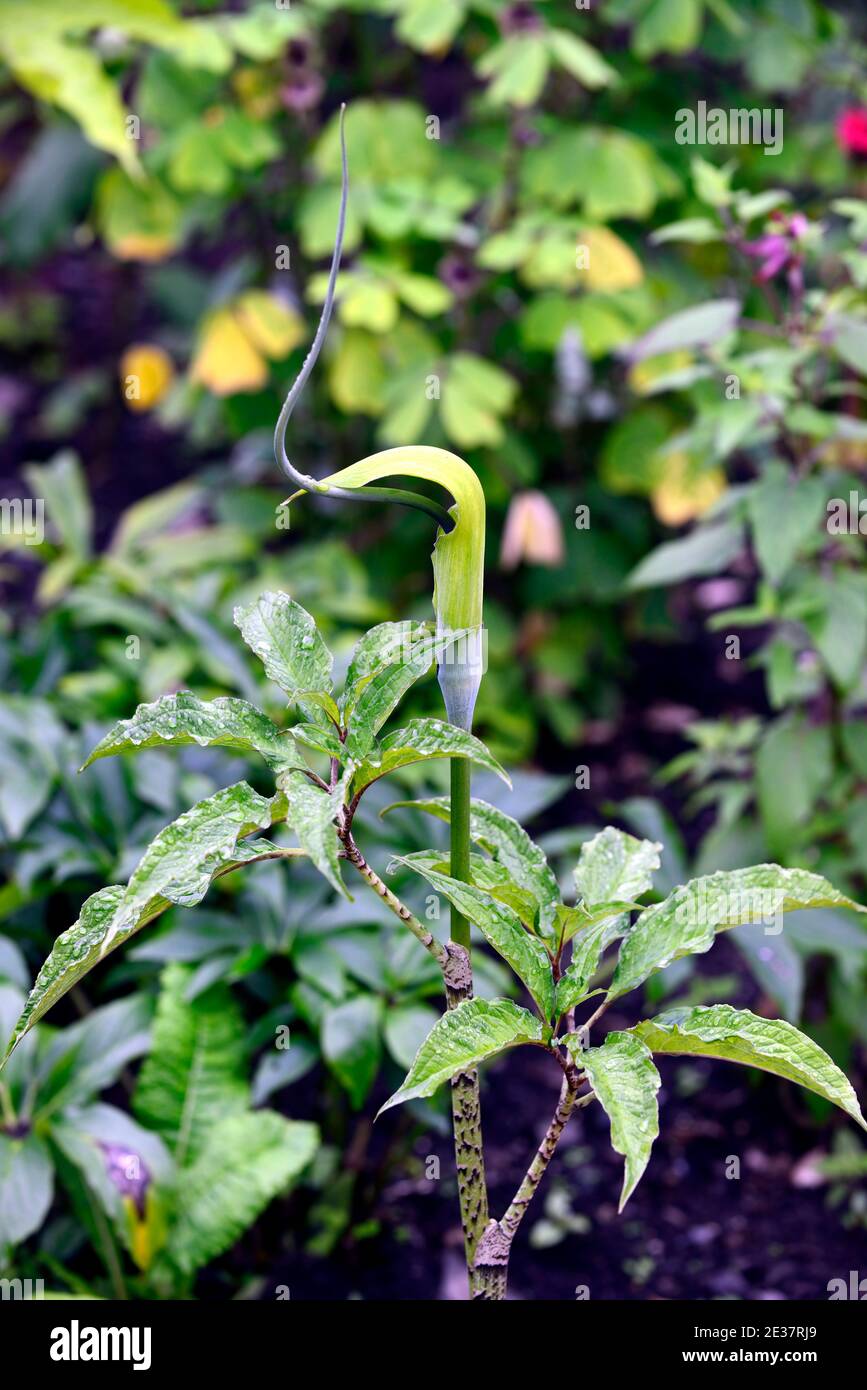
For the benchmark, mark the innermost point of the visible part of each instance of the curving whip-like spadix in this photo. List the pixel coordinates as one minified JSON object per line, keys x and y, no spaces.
{"x":459,"y":550}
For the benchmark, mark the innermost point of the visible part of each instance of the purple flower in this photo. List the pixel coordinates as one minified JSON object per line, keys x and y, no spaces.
{"x":128,"y":1172}
{"x":459,"y":276}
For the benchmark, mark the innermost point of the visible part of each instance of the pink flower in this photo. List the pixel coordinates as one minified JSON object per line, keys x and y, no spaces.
{"x":302,"y":91}
{"x":772,"y":251}
{"x":532,"y":532}
{"x":852,"y":130}
{"x":780,"y":250}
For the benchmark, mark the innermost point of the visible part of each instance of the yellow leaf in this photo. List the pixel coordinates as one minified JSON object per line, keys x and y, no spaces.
{"x":146,"y":373}
{"x":258,"y":91}
{"x":686,"y":490}
{"x":139,"y":246}
{"x":138,"y":221}
{"x":610,"y":264}
{"x":356,"y":374}
{"x":270,"y":325}
{"x":147,"y":1231}
{"x":225,"y":360}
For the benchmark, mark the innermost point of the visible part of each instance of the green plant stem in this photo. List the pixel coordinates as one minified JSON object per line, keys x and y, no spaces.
{"x":7,"y":1109}
{"x":460,"y":841}
{"x":109,"y":1250}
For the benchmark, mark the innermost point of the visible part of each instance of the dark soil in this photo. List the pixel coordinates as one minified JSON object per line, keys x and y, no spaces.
{"x":688,"y":1232}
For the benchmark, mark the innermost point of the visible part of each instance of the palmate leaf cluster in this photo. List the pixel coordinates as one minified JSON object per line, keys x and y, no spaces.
{"x":321,"y":765}
{"x":556,"y":951}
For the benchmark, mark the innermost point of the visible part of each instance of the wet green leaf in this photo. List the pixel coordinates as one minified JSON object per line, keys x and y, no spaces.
{"x":177,"y":867}
{"x":686,"y":922}
{"x":510,"y":845}
{"x":498,"y":923}
{"x":311,"y":813}
{"x":183,"y":719}
{"x":625,"y":1082}
{"x":462,"y":1038}
{"x":420,"y":740}
{"x":285,"y":638}
{"x":736,"y":1035}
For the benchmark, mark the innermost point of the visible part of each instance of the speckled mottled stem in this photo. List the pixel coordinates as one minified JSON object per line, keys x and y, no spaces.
{"x":491,"y":1265}
{"x":466,"y":1099}
{"x":545,"y":1152}
{"x":470,"y":1161}
{"x":467,"y":1120}
{"x":428,"y":940}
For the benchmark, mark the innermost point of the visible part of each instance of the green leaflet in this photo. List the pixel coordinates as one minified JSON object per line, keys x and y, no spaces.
{"x":31,"y":751}
{"x":736,"y":1035}
{"x":586,"y":64}
{"x":72,"y":955}
{"x":496,"y":880}
{"x":285,"y":638}
{"x":380,"y":695}
{"x":421,"y":739}
{"x":246,"y":1161}
{"x":592,"y":928}
{"x":378,"y":647}
{"x":500,"y":926}
{"x":570,"y":921}
{"x":326,"y":703}
{"x":625,"y":1083}
{"x":462,"y":1038}
{"x":185,"y":719}
{"x":511,"y":846}
{"x":311,"y":812}
{"x":588,"y":947}
{"x":783,"y":515}
{"x":26,"y":1187}
{"x":317,"y":736}
{"x":181,"y":861}
{"x":688,"y":919}
{"x":194,"y":1072}
{"x":177,"y":867}
{"x":615,"y":865}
